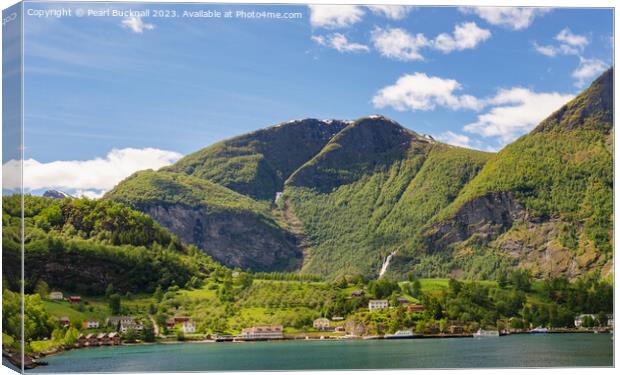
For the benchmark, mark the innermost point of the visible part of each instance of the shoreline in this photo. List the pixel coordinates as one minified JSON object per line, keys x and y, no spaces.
{"x":34,"y":359}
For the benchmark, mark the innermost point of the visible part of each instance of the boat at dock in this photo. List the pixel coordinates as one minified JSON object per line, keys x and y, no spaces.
{"x":485,"y":333}
{"x":539,"y":329}
{"x":403,"y":334}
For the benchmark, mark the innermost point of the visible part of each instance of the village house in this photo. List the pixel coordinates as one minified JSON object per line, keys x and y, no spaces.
{"x":91,"y":340}
{"x":114,"y":321}
{"x":114,"y":338}
{"x":321,"y":324}
{"x":172,"y":322}
{"x":74,"y":299}
{"x":102,"y":339}
{"x":90,"y":324}
{"x":56,"y":296}
{"x":403,"y":301}
{"x":337,"y":318}
{"x":64,"y":321}
{"x":415,"y":307}
{"x":457,"y":329}
{"x":267,"y":332}
{"x":133,"y":326}
{"x":357,"y":293}
{"x":188,"y":327}
{"x":377,"y":304}
{"x":82,"y":340}
{"x":340,"y":329}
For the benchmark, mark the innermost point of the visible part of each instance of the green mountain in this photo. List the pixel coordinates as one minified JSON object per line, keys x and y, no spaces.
{"x":544,"y":202}
{"x":337,"y":197}
{"x":84,"y":245}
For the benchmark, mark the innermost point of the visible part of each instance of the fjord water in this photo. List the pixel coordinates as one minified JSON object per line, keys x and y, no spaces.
{"x":551,"y":350}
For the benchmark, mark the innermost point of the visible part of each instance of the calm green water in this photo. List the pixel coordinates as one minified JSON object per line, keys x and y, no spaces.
{"x":510,"y":351}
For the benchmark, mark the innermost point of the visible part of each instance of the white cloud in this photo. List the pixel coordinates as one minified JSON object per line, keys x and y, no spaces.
{"x":547,"y":50}
{"x":567,"y":37}
{"x":588,"y":69}
{"x":419,"y":92}
{"x":393,"y":12}
{"x":87,"y":176}
{"x":136,"y":24}
{"x":335,"y":16}
{"x":465,"y":36}
{"x":398,"y":44}
{"x":569,"y":44}
{"x":340,"y":43}
{"x":455,"y":139}
{"x":512,"y":17}
{"x":515,"y":112}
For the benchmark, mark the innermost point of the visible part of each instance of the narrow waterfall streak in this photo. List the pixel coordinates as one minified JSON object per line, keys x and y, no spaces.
{"x":386,"y":263}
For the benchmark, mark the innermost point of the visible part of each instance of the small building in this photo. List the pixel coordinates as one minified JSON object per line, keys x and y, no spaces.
{"x":340,"y":329}
{"x":172,"y":322}
{"x":415,"y":308}
{"x":56,"y":296}
{"x":321,"y":324}
{"x":377,"y":304}
{"x":267,"y":332}
{"x":114,"y":321}
{"x":134,"y":326}
{"x":90,"y":324}
{"x":103,"y":339}
{"x":337,"y":318}
{"x":74,"y":299}
{"x":114,"y":338}
{"x":457,"y":329}
{"x":64,"y":321}
{"x":91,"y":340}
{"x":580,"y":318}
{"x":403,"y":301}
{"x":82,"y":340}
{"x":357,"y":293}
{"x":188,"y":327}
{"x":610,"y":320}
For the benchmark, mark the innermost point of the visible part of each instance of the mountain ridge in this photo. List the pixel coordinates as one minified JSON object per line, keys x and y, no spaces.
{"x":362,"y":189}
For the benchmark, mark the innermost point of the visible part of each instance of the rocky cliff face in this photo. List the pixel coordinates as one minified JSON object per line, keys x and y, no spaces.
{"x":240,"y":240}
{"x":486,"y":217}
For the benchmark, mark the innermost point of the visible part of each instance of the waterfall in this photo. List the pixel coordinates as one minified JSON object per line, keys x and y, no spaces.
{"x":386,"y":263}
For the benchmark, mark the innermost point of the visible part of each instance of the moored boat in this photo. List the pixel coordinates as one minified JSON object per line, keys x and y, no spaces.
{"x":402,"y":334}
{"x":485,"y":333}
{"x":539,"y":329}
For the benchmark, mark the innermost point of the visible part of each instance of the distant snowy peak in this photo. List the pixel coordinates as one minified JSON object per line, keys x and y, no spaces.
{"x":56,"y":194}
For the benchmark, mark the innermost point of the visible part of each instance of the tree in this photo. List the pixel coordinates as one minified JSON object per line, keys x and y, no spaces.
{"x":521,"y":280}
{"x":602,"y":319}
{"x":114,"y":301}
{"x":71,"y":336}
{"x":159,"y":294}
{"x":42,"y":289}
{"x":148,"y":332}
{"x":109,"y":290}
{"x":180,"y":335}
{"x":502,"y":279}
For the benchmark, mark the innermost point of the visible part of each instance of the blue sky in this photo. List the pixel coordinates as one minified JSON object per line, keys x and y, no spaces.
{"x":156,"y":88}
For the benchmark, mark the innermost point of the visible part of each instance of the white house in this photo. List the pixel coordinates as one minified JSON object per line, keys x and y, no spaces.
{"x":90,"y":323}
{"x":376,"y":304}
{"x":115,"y":320}
{"x":125,"y":327}
{"x":188,"y":327}
{"x":262,"y":333}
{"x":56,"y":296}
{"x":321,"y":324}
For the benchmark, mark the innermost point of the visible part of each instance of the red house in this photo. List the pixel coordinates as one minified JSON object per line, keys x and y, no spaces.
{"x":74,"y":299}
